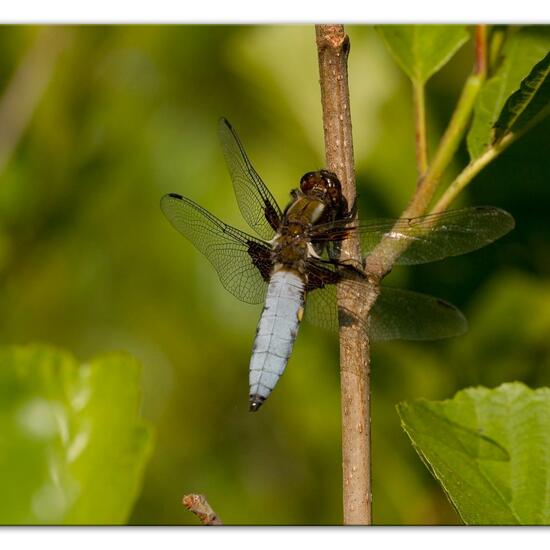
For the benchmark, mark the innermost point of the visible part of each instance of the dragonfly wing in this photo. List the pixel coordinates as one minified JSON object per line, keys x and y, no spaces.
{"x":321,"y":307}
{"x":321,"y":303}
{"x":426,"y":238}
{"x":405,"y":315}
{"x":243,"y":263}
{"x":256,"y":202}
{"x":397,"y":314}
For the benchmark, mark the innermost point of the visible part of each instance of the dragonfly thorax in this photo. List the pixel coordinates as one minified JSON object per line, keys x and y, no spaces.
{"x":302,"y":212}
{"x":291,"y":247}
{"x":290,"y":250}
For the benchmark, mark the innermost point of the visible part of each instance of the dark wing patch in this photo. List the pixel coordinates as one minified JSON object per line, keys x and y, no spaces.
{"x":243,"y":263}
{"x":261,"y":257}
{"x":320,"y":275}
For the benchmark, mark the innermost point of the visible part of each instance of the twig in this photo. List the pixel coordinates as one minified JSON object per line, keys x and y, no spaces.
{"x":475,"y":166}
{"x":333,"y":48}
{"x":497,"y":39}
{"x":26,"y":87}
{"x":419,"y":104}
{"x":480,"y":67}
{"x":382,"y":258}
{"x":200,"y":507}
{"x":447,"y":148}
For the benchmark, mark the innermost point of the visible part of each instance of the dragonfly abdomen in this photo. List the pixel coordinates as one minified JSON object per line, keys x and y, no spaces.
{"x":277,"y":329}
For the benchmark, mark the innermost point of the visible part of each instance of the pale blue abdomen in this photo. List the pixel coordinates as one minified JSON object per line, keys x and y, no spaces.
{"x":276,"y":333}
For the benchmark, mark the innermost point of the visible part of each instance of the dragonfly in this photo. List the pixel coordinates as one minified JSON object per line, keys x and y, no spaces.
{"x":292,"y":266}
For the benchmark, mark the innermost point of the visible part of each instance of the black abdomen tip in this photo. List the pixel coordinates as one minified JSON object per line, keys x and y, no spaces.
{"x":256,"y":402}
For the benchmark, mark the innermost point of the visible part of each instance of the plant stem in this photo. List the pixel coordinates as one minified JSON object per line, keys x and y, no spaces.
{"x":420,"y":128}
{"x":381,"y":260}
{"x":496,"y":41}
{"x":465,"y":177}
{"x":455,"y":130}
{"x":475,"y":166}
{"x":198,"y":505}
{"x":447,"y":148}
{"x":333,"y":48}
{"x":480,"y":67}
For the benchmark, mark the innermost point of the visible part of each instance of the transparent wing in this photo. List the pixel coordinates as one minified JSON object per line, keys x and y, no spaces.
{"x":397,"y":314}
{"x":321,"y":307}
{"x":243,"y":263}
{"x":426,"y":238}
{"x":405,"y":315}
{"x":256,"y":202}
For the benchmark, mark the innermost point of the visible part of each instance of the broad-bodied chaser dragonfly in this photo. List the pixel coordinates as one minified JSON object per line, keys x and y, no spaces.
{"x":296,"y":257}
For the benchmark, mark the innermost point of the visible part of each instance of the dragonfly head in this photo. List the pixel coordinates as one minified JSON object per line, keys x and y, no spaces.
{"x":324,"y":186}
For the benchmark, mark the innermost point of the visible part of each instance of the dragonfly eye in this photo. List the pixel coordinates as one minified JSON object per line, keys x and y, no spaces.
{"x":323,"y":185}
{"x":309,"y":181}
{"x":333,"y":187}
{"x":331,"y":180}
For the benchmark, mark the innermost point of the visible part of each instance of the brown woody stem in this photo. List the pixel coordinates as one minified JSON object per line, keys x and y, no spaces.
{"x":333,"y":49}
{"x":200,"y":507}
{"x":480,"y":67}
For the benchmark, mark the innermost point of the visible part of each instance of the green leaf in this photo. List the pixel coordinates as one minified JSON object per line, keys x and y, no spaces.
{"x":421,"y":50}
{"x":532,"y":98}
{"x":522,"y":51}
{"x":72,"y":446}
{"x":490,"y":451}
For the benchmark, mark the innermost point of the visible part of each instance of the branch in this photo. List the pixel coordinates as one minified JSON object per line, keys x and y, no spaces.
{"x":419,"y":102}
{"x":200,"y":507}
{"x":381,"y":260}
{"x":26,"y":87}
{"x":496,"y":41}
{"x":333,"y":49}
{"x":475,"y":166}
{"x":481,"y":50}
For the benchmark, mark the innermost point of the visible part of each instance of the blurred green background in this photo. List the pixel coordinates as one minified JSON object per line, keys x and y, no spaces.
{"x":104,"y":120}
